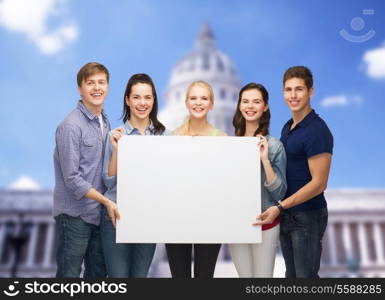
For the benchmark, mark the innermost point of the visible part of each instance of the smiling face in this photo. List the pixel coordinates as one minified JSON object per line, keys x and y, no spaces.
{"x":199,"y":101}
{"x":297,"y":95}
{"x":252,"y":105}
{"x":94,"y":90}
{"x":140,"y":101}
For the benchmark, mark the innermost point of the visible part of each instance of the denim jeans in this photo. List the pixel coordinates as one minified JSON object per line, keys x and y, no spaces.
{"x":124,"y":260}
{"x":78,"y":241}
{"x":301,"y":241}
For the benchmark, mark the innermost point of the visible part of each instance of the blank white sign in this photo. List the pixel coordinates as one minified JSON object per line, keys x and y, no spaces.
{"x":181,"y":189}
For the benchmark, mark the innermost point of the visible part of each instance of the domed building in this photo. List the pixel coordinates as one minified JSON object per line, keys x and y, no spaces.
{"x":205,"y":62}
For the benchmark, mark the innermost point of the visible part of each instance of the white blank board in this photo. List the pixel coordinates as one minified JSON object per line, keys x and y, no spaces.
{"x":182,"y":189}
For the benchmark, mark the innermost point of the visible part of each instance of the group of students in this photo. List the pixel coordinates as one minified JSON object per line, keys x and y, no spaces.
{"x":294,"y":174}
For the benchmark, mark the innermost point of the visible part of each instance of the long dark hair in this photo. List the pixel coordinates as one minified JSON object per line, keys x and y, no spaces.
{"x":239,"y":121}
{"x":143,"y":78}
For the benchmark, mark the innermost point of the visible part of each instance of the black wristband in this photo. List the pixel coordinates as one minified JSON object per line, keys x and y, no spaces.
{"x":280,"y":207}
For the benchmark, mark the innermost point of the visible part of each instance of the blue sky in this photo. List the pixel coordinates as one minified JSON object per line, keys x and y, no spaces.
{"x":42,"y":51}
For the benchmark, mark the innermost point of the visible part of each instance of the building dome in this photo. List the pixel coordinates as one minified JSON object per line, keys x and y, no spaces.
{"x":205,"y":62}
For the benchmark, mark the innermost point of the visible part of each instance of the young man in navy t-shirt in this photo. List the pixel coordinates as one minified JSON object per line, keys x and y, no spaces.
{"x":309,"y":147}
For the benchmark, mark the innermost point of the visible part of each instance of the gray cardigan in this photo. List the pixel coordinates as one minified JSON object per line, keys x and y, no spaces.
{"x":275,"y":191}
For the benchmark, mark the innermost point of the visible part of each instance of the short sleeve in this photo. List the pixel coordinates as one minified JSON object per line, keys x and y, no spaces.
{"x":319,"y":140}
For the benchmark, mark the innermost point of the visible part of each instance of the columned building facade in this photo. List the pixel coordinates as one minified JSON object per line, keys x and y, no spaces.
{"x":353,"y":244}
{"x":354,"y":241}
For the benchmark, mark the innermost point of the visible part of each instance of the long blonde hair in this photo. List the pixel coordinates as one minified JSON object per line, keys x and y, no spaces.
{"x":185,"y":127}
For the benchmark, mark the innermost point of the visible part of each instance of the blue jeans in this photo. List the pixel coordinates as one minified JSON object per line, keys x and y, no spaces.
{"x":78,"y":241}
{"x":124,"y":260}
{"x":301,"y":241}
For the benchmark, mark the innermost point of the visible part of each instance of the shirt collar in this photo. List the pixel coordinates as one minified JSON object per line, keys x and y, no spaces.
{"x":305,"y":122}
{"x":129,"y":128}
{"x":309,"y":117}
{"x":87,"y":113}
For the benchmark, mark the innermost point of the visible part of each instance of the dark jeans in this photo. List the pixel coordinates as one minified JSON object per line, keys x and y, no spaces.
{"x":301,"y":241}
{"x":124,"y":260}
{"x":205,"y":258}
{"x":78,"y":241}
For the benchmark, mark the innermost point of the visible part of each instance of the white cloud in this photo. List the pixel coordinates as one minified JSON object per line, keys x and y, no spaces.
{"x":340,"y":100}
{"x":31,"y":18}
{"x":375,"y":62}
{"x":24,"y":183}
{"x":51,"y":43}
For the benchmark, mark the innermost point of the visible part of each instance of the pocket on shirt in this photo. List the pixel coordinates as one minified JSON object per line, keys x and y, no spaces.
{"x":91,"y":151}
{"x":90,"y":141}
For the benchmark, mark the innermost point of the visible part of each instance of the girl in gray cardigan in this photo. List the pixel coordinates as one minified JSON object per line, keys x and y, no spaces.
{"x":252,"y":118}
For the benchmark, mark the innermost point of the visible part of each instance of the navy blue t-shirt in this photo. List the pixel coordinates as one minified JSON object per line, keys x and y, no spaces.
{"x":309,"y":137}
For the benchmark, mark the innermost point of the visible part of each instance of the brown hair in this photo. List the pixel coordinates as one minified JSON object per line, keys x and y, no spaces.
{"x":143,"y":78}
{"x":299,"y":72}
{"x":90,"y":69}
{"x":239,"y":121}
